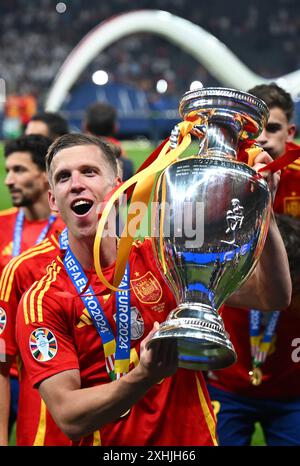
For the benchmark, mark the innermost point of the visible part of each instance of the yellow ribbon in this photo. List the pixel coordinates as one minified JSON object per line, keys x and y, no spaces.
{"x":252,"y":154}
{"x":143,"y":181}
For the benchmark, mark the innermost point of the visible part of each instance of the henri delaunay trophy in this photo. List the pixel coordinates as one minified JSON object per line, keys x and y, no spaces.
{"x":210,"y":224}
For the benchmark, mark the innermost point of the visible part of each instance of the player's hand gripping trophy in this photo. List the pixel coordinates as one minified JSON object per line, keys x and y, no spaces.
{"x":211,"y":223}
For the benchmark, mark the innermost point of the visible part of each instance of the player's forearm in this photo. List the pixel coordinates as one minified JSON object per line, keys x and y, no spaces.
{"x":269,"y":288}
{"x":84,"y":410}
{"x":273,"y":279}
{"x":4,"y":408}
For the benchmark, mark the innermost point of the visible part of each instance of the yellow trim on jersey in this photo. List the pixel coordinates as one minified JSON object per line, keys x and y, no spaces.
{"x":207,"y":414}
{"x":42,"y":293}
{"x":59,"y":260}
{"x":50,"y":277}
{"x":42,"y":290}
{"x":24,"y":254}
{"x":55,"y":241}
{"x":42,"y":286}
{"x":294,"y":166}
{"x":10,"y":211}
{"x":96,"y":439}
{"x":39,"y":440}
{"x":10,"y":269}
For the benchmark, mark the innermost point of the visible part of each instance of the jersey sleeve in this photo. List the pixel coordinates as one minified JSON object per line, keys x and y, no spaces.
{"x":44,"y":332}
{"x":7,"y":329}
{"x":9,"y":298}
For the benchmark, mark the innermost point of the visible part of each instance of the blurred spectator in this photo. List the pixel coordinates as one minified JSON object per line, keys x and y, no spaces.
{"x":101,"y":120}
{"x":264,"y":35}
{"x":47,"y":124}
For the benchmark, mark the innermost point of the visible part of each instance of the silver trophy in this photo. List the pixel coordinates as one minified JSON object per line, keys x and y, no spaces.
{"x":211,"y":222}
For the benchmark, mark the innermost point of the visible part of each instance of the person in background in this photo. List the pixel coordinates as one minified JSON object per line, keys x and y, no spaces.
{"x":263,"y":385}
{"x":101,"y":120}
{"x":35,"y":426}
{"x":50,"y":124}
{"x":29,"y":221}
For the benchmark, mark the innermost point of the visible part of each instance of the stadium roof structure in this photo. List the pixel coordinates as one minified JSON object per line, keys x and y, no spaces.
{"x":203,"y":46}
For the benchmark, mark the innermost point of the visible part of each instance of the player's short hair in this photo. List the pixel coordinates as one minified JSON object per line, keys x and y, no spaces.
{"x":275,"y":96}
{"x":100,"y":119}
{"x":57,"y":125}
{"x":36,"y":144}
{"x":110,"y":151}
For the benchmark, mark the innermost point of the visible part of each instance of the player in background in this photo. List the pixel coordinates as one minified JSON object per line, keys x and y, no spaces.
{"x":263,"y":385}
{"x":50,"y":124}
{"x":101,"y":120}
{"x":30,"y":220}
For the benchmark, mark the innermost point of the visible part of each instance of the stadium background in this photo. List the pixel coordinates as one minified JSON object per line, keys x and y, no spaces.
{"x":35,"y":39}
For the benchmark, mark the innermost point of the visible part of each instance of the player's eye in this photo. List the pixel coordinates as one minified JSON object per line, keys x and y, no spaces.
{"x":273,"y":127}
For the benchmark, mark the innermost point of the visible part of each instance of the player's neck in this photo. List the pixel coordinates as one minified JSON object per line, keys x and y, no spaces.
{"x":83,"y":248}
{"x":40,"y":210}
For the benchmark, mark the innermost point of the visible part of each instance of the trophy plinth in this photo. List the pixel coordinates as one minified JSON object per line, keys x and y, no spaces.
{"x":211,"y":221}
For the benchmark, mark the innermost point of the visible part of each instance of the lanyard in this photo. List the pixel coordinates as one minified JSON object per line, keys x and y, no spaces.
{"x":117,"y":353}
{"x":17,"y":236}
{"x":64,"y":239}
{"x":260,"y":346}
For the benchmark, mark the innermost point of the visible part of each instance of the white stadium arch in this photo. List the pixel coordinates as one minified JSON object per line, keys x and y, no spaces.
{"x":203,"y":46}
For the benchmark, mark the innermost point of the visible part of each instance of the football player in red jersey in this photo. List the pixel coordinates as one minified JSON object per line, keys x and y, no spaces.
{"x":263,"y":386}
{"x":102,"y":386}
{"x":30,"y":220}
{"x":35,"y":425}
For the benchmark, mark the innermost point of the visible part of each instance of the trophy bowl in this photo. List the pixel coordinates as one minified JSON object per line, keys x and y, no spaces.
{"x":211,"y":220}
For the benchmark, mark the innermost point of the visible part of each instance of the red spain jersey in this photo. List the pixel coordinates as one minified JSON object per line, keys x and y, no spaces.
{"x":281,"y":372}
{"x":35,"y":425}
{"x":176,"y":411}
{"x":30,"y":233}
{"x":287,"y":199}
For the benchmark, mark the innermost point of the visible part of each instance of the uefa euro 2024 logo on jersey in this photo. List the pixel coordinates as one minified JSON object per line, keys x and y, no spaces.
{"x":43,"y":344}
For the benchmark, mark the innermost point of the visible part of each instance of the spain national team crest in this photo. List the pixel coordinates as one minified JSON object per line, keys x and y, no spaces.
{"x":43,"y":344}
{"x":3,"y":320}
{"x":147,"y":288}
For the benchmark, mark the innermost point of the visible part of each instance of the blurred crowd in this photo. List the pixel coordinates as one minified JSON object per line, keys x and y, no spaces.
{"x":35,"y":40}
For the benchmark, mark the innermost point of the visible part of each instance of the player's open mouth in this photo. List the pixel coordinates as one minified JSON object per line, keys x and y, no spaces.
{"x":81,"y":206}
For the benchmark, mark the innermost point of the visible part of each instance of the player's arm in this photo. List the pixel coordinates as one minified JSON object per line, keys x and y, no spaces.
{"x":4,"y":397}
{"x":8,"y":351}
{"x":80,"y":411}
{"x":269,"y":287}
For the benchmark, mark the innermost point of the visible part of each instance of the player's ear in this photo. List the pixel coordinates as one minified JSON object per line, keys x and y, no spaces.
{"x":291,"y":132}
{"x":117,"y":181}
{"x":52,"y":202}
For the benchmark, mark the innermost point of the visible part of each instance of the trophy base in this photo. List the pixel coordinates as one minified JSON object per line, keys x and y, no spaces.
{"x":203,"y":343}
